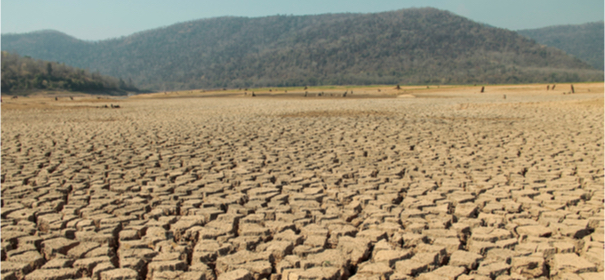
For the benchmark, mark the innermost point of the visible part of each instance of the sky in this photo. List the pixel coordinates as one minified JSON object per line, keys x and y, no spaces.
{"x":104,"y":19}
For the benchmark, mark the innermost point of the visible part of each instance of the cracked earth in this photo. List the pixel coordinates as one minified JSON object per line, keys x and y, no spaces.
{"x":460,"y":186}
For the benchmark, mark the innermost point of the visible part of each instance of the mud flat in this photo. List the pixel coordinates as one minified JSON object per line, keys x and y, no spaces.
{"x":441,"y":184}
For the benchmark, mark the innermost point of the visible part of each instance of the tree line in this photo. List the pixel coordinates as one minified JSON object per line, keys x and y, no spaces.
{"x":25,"y":74}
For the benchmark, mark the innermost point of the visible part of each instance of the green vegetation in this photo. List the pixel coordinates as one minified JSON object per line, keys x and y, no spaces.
{"x":25,"y":74}
{"x":411,"y":46}
{"x":584,"y":41}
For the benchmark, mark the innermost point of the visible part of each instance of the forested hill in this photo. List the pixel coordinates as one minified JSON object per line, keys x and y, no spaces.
{"x":22,"y":75}
{"x":411,"y":46}
{"x":584,"y":41}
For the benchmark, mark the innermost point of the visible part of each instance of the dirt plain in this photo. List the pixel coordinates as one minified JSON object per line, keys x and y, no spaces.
{"x":418,"y":183}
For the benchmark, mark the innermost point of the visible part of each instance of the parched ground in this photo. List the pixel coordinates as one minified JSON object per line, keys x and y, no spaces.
{"x":438,"y":183}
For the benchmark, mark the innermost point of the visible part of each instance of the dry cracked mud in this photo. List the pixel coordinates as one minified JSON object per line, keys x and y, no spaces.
{"x":473,"y":186}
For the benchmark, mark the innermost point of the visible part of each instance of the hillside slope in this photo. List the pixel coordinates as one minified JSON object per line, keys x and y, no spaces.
{"x":22,"y":75}
{"x":584,"y":41}
{"x":411,"y":46}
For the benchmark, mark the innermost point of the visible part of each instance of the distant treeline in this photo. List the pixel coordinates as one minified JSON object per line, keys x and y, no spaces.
{"x":25,"y":74}
{"x":410,"y":46}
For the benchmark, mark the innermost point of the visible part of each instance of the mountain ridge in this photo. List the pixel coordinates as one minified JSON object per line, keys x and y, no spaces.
{"x":410,"y":46}
{"x":584,"y":41}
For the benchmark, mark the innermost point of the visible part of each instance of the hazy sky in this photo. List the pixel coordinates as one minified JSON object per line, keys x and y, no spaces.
{"x":103,"y":19}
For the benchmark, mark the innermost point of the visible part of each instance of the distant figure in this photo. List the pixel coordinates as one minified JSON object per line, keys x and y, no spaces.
{"x":14,"y":97}
{"x":305,"y":87}
{"x":345,"y":94}
{"x":553,"y":87}
{"x":306,"y":92}
{"x":572,"y":89}
{"x":253,"y":95}
{"x":270,"y":90}
{"x":482,"y":89}
{"x":71,"y":98}
{"x":245,"y":93}
{"x":378,"y":90}
{"x":351,"y":92}
{"x":505,"y":96}
{"x":56,"y":99}
{"x":398,"y":87}
{"x":547,"y":87}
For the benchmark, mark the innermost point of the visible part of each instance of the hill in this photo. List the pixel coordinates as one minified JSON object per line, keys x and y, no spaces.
{"x":584,"y":41}
{"x":410,"y":46}
{"x":21,"y":75}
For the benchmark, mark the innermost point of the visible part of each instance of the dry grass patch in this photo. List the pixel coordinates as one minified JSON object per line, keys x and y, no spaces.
{"x":48,"y":102}
{"x":433,"y":96}
{"x":41,"y":106}
{"x":592,"y":103}
{"x":334,"y":114}
{"x":456,"y":119}
{"x":100,"y":119}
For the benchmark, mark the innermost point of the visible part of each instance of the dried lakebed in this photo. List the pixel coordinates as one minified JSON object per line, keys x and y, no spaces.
{"x":469,"y":187}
